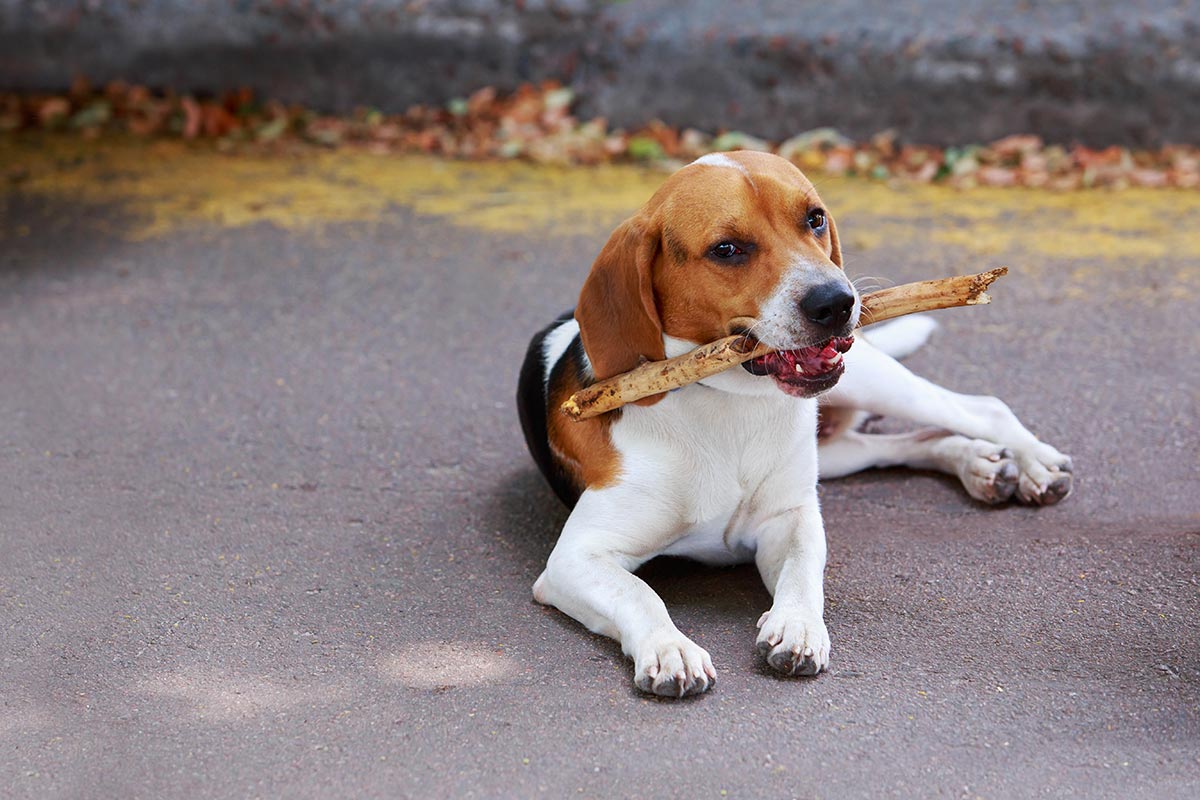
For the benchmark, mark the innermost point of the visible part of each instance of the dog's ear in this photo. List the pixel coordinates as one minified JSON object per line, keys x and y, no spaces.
{"x":617,"y":311}
{"x":835,"y":254}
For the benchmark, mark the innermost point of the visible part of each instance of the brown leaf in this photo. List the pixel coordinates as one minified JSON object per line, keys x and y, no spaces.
{"x":81,"y":89}
{"x":217,"y":120}
{"x":137,"y":96}
{"x":482,"y":101}
{"x":1150,"y":178}
{"x":996,"y":176}
{"x":53,"y":111}
{"x":1016,"y":145}
{"x":193,"y":117}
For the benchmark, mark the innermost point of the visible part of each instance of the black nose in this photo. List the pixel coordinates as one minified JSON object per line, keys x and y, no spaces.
{"x":829,"y":305}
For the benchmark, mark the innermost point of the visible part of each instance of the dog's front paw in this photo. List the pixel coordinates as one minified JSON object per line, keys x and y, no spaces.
{"x":672,"y":665}
{"x":793,"y":643}
{"x":1045,"y":475}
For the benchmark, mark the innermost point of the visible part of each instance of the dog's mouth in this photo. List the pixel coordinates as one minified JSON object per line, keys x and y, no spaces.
{"x":805,"y":372}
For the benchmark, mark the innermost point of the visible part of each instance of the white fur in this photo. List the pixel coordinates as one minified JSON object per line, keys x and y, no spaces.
{"x":556,"y":343}
{"x":901,"y":337}
{"x":720,"y":160}
{"x":779,"y":325}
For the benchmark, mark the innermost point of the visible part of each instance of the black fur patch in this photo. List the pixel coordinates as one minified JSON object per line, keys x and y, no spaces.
{"x":531,"y":405}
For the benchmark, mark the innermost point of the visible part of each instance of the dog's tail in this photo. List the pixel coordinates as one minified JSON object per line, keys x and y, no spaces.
{"x":902,"y":337}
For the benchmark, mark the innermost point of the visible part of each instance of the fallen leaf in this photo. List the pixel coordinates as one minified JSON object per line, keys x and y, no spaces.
{"x":53,"y":112}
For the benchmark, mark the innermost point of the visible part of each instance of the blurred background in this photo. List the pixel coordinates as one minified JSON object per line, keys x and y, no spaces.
{"x":268,"y":269}
{"x":938,"y":71}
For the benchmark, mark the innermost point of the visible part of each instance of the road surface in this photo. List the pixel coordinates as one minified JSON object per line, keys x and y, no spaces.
{"x":269,"y":528}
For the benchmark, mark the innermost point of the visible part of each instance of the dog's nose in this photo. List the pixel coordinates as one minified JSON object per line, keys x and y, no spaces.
{"x":829,"y":305}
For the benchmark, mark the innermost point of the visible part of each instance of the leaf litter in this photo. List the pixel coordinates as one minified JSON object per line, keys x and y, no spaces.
{"x":535,"y":123}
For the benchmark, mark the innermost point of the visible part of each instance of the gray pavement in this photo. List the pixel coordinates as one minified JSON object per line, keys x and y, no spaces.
{"x":268,"y":530}
{"x":938,"y":71}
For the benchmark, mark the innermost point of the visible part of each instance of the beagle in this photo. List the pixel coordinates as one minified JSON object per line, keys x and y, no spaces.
{"x":726,"y":470}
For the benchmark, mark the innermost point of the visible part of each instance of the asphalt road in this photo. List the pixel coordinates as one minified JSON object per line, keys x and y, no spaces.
{"x":268,"y":528}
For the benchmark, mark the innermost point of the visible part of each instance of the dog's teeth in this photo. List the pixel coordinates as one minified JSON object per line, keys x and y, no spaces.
{"x":798,"y":368}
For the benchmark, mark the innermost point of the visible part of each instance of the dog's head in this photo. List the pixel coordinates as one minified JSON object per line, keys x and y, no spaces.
{"x":732,"y":243}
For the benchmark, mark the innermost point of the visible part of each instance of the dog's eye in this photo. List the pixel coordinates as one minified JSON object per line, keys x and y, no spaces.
{"x":817,"y":220}
{"x":726,"y":250}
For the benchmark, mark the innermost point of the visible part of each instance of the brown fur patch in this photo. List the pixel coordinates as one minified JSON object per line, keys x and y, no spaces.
{"x":584,"y":450}
{"x":618,"y":317}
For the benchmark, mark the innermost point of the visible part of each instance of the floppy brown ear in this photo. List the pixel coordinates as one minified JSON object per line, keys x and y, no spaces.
{"x":835,"y":254}
{"x":617,"y":312}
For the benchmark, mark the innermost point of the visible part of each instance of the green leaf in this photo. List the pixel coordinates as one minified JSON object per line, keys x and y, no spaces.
{"x":272,"y":130}
{"x":736,"y":140}
{"x":93,"y":115}
{"x":643,"y":148}
{"x":809,"y":140}
{"x":558,"y":98}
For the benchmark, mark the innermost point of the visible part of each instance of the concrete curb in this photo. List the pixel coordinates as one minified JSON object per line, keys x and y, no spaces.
{"x":942,"y":72}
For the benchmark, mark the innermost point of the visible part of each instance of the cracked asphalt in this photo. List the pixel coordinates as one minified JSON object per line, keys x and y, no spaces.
{"x":268,"y":527}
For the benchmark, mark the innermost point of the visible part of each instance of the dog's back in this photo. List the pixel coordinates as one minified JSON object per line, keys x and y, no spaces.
{"x":555,"y":366}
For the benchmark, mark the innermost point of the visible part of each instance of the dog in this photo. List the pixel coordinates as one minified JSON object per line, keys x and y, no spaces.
{"x":725,"y":470}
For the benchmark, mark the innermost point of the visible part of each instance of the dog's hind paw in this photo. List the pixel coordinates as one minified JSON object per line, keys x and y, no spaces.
{"x":987,"y":470}
{"x":992,"y":473}
{"x":1045,"y":475}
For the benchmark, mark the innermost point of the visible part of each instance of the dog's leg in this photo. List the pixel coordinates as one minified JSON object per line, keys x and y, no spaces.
{"x":791,"y":559}
{"x":589,"y":577}
{"x":986,"y":469}
{"x":877,"y":383}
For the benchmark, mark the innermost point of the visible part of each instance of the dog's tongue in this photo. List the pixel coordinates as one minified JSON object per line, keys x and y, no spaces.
{"x":806,"y":362}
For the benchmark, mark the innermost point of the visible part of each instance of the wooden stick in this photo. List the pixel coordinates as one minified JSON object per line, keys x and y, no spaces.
{"x":656,"y":377}
{"x":910,"y":298}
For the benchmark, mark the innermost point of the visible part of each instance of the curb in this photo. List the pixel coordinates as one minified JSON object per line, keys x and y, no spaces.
{"x":1096,"y":73}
